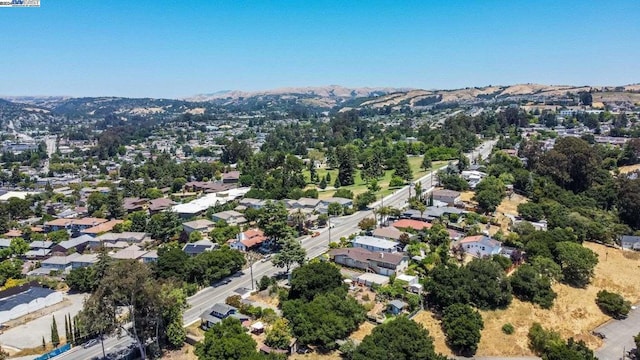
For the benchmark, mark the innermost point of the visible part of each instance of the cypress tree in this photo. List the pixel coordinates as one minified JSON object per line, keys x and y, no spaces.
{"x":76,"y":334}
{"x":67,"y":337}
{"x":55,"y":338}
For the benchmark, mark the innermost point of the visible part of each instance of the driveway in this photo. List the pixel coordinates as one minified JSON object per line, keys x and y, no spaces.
{"x":30,"y":335}
{"x":619,"y":336}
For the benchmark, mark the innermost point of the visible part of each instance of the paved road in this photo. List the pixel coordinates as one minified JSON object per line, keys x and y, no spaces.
{"x":619,"y":336}
{"x":343,"y":226}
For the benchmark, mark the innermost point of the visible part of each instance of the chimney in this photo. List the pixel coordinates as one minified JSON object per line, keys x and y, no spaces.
{"x":381,"y":255}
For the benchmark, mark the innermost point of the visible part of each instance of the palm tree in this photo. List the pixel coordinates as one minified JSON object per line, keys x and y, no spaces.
{"x":298,"y":218}
{"x":384,"y":211}
{"x":418,"y":189}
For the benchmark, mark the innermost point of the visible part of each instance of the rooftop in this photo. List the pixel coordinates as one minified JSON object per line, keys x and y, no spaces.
{"x":375,"y":242}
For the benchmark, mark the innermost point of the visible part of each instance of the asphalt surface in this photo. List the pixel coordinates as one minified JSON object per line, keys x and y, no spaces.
{"x":342,"y":226}
{"x":619,"y":336}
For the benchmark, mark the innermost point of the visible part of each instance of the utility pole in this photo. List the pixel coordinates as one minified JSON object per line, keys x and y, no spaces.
{"x":251,"y":270}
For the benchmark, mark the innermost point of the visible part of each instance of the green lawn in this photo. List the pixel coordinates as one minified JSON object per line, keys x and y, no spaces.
{"x":360,"y":185}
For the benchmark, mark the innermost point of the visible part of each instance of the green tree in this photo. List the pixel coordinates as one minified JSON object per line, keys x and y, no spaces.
{"x":577,"y":263}
{"x":367,"y":224}
{"x":488,"y":285}
{"x":334,"y":209}
{"x":426,"y":163}
{"x":164,"y":226}
{"x":82,"y":279}
{"x":363,"y":200}
{"x":314,"y":278}
{"x":273,"y":220}
{"x":138,"y":221}
{"x":178,"y":184}
{"x":95,"y":202}
{"x":323,"y":183}
{"x":400,"y":339}
{"x":402,"y":167}
{"x":55,"y":338}
{"x":291,"y":252}
{"x":58,"y":236}
{"x":10,"y":269}
{"x":489,"y":193}
{"x":347,"y":162}
{"x":279,"y":335}
{"x":18,"y":246}
{"x":114,"y":204}
{"x":373,"y":186}
{"x":339,"y":316}
{"x":343,"y":193}
{"x":172,"y":263}
{"x":636,"y":339}
{"x":530,"y":285}
{"x":227,"y":340}
{"x":613,"y":304}
{"x":173,"y":302}
{"x":462,"y":326}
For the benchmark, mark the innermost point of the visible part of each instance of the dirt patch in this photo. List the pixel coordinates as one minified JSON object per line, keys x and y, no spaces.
{"x":574,"y":313}
{"x":186,"y":353}
{"x":629,"y":168}
{"x":431,"y":323}
{"x":467,"y":196}
{"x":509,"y":205}
{"x":334,"y":355}
{"x":264,"y":298}
{"x":365,"y":329}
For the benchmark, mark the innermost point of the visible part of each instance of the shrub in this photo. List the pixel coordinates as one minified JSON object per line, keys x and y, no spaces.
{"x":613,"y":304}
{"x":508,"y":329}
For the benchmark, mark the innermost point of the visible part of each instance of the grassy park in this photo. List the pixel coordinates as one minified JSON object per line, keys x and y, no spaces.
{"x":360,"y":185}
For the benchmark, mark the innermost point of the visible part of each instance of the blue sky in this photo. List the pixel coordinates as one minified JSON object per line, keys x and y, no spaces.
{"x":158,"y":48}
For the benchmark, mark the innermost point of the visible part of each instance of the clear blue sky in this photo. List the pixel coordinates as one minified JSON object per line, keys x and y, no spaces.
{"x":172,"y":48}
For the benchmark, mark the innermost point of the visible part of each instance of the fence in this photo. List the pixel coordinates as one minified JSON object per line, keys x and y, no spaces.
{"x":56,"y":352}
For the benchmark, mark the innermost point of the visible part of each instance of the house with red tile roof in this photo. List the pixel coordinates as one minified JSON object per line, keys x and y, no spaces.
{"x":416,"y":225}
{"x":249,"y":239}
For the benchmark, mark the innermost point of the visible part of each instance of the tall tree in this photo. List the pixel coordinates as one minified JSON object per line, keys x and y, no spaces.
{"x":273,"y":220}
{"x":227,"y":340}
{"x":347,"y":161}
{"x":462,"y":326}
{"x":291,"y":252}
{"x":114,"y":204}
{"x":55,"y":338}
{"x":577,"y":263}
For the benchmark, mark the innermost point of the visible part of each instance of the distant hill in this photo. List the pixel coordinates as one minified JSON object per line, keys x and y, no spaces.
{"x":27,"y":109}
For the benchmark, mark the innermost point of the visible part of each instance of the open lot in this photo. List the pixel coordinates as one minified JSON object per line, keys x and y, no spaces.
{"x":575,"y":313}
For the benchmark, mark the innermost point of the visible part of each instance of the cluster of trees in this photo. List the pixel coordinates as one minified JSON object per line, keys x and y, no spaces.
{"x":550,"y":346}
{"x":154,"y":306}
{"x":318,"y":296}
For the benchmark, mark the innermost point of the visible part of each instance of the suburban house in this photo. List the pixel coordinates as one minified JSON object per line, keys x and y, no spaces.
{"x":77,"y":244}
{"x":480,"y":246}
{"x":630,"y":242}
{"x":206,"y":186}
{"x":231,"y":217}
{"x":249,"y":239}
{"x":160,"y":204}
{"x":375,"y":244}
{"x":376,"y":262}
{"x":323,"y":207}
{"x":132,"y":252}
{"x":132,"y":204}
{"x":150,"y":256}
{"x":220,"y":312}
{"x":411,"y":224}
{"x":304,"y":203}
{"x":252,"y":203}
{"x":202,"y":225}
{"x":448,"y":197}
{"x":39,"y":249}
{"x":73,"y":261}
{"x":232,"y":177}
{"x":388,"y":233}
{"x":101,"y":228}
{"x":127,"y":236}
{"x":72,"y":225}
{"x":25,"y":299}
{"x":198,"y":247}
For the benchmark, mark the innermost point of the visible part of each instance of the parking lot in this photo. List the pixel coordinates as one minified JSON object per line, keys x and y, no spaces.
{"x":619,"y":336}
{"x":30,"y":335}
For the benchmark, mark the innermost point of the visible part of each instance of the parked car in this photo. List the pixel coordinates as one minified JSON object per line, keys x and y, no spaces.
{"x":266,"y":258}
{"x":90,"y":343}
{"x":222,"y":282}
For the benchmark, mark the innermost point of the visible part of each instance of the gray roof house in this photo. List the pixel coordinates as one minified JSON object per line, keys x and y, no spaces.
{"x":375,"y":244}
{"x":396,"y":307}
{"x":629,"y":242}
{"x":198,"y":247}
{"x":202,"y":225}
{"x":231,"y":217}
{"x":481,"y":246}
{"x":218,"y":313}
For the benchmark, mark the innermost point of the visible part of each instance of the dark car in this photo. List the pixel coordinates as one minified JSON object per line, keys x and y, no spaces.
{"x":222,"y":282}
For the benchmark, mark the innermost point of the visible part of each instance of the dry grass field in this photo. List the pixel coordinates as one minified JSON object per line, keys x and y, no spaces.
{"x":574,"y":313}
{"x":428,"y":320}
{"x":509,"y":205}
{"x":629,"y":168}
